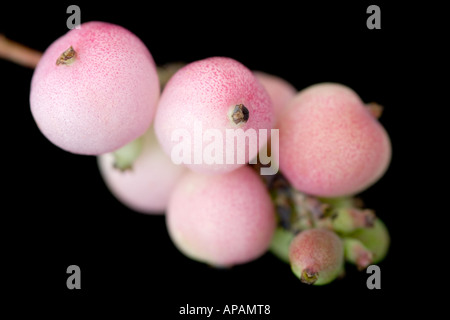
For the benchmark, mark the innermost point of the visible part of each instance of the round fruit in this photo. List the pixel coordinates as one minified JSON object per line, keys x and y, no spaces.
{"x":330,"y":144}
{"x":316,"y":256}
{"x":95,"y":89}
{"x":202,"y":104}
{"x":145,"y":187}
{"x":222,"y":220}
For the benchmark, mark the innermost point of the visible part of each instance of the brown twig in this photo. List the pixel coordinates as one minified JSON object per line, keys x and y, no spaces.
{"x":18,"y":53}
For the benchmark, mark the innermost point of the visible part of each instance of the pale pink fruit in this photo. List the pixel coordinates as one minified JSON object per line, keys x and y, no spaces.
{"x":316,"y":256}
{"x":202,"y":96}
{"x":147,"y":186}
{"x":222,"y":220}
{"x":103,"y":97}
{"x":280,"y":91}
{"x":330,"y":144}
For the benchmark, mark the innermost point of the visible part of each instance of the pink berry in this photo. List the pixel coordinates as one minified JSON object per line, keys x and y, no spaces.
{"x":316,"y":256}
{"x":147,"y":186}
{"x":222,"y":220}
{"x":330,"y":144}
{"x":280,"y":91}
{"x":212,"y":94}
{"x":95,"y":89}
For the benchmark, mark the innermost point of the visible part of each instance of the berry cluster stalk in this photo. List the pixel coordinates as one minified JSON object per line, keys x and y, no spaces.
{"x":18,"y":53}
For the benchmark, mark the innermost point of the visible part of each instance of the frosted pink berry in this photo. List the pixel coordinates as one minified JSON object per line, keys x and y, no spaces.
{"x":146,"y":186}
{"x":330,"y":144}
{"x":223,"y":220}
{"x":212,"y":96}
{"x":280,"y":91}
{"x":95,"y":89}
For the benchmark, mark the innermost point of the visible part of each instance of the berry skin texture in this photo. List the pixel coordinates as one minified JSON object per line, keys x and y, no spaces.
{"x":99,"y":97}
{"x":222,"y":220}
{"x":330,"y":144}
{"x":280,"y":244}
{"x":147,"y":185}
{"x":280,"y":91}
{"x":376,"y":239}
{"x":356,"y":253}
{"x":206,"y":92}
{"x":316,"y":256}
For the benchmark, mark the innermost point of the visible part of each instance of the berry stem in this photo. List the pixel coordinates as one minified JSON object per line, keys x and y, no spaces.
{"x":127,"y":155}
{"x":18,"y":53}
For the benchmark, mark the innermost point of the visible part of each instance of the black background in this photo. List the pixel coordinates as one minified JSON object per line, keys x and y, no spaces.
{"x":57,"y":211}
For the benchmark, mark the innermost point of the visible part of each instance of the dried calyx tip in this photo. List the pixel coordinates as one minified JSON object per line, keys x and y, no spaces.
{"x":375,"y":109}
{"x":240,"y":114}
{"x":67,"y":57}
{"x":309,"y":277}
{"x":369,"y":218}
{"x":364,"y":260}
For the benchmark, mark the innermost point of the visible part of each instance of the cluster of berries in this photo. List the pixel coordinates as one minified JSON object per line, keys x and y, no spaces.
{"x":97,"y":91}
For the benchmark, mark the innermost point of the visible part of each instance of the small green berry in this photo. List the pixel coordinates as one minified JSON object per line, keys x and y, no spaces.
{"x":376,"y":239}
{"x":281,"y":241}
